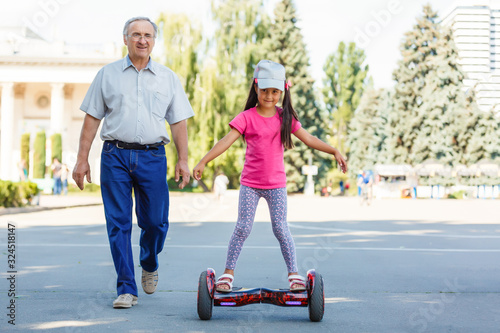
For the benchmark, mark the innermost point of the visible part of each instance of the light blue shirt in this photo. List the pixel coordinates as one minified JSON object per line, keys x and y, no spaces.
{"x":135,"y":104}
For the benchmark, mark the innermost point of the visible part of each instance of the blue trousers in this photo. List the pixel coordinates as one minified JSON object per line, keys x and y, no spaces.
{"x":57,"y":185}
{"x":145,"y":172}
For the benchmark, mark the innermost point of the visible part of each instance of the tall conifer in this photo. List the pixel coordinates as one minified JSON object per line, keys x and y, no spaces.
{"x":429,"y":99}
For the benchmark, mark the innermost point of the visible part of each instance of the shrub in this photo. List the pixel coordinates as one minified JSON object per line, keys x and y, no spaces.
{"x":456,"y":195}
{"x":17,"y":194}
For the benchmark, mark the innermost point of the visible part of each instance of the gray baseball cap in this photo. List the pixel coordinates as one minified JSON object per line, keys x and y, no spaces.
{"x":270,"y":74}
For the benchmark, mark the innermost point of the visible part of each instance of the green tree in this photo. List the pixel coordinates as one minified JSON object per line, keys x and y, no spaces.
{"x":429,"y":97}
{"x":56,"y":146}
{"x":39,"y":155}
{"x":344,"y":85}
{"x":25,"y":150}
{"x":181,"y":40}
{"x":483,"y":142}
{"x":368,"y":131}
{"x":443,"y":106}
{"x":225,"y":80}
{"x":418,"y":47}
{"x":286,"y":46}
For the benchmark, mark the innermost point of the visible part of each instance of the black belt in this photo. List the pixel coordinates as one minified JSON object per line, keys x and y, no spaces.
{"x":135,"y":146}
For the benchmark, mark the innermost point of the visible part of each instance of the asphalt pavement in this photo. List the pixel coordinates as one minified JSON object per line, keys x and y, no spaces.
{"x":393,"y":266}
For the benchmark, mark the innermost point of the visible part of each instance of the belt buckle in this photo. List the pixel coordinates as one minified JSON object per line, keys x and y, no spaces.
{"x":117,"y":144}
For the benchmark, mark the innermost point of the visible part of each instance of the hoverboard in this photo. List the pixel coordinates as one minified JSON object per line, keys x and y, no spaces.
{"x":313,"y":297}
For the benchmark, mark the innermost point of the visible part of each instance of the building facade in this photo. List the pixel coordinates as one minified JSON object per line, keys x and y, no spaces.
{"x":476,"y":31}
{"x":42,"y":86}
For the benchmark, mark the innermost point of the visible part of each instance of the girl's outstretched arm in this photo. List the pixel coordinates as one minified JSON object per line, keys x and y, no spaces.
{"x":221,"y":146}
{"x":315,"y":143}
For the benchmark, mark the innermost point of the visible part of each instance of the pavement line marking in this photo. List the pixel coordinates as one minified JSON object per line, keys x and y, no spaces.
{"x":333,"y":248}
{"x":57,"y":228}
{"x":291,"y":225}
{"x":394,"y":232}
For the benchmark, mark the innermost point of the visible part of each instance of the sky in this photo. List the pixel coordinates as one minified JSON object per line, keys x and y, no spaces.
{"x":377,"y":26}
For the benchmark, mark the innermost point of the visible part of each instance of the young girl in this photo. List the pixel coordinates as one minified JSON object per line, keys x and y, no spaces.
{"x":267,"y":131}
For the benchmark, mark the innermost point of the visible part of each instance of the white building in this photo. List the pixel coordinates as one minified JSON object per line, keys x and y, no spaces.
{"x":476,"y":29}
{"x":42,"y":86}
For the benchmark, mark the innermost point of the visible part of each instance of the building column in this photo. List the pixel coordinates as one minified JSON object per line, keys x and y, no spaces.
{"x":7,"y":167}
{"x":57,"y":108}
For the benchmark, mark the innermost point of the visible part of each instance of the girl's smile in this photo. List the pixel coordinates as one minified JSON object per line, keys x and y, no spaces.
{"x":268,"y":98}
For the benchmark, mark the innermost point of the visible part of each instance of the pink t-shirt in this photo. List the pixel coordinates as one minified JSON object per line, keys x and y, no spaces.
{"x":264,"y":165}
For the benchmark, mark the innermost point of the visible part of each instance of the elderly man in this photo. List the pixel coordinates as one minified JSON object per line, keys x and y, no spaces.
{"x":135,"y":96}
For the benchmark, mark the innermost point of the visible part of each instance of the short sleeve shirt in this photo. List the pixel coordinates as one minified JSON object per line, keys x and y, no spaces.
{"x":135,"y":104}
{"x":264,"y":166}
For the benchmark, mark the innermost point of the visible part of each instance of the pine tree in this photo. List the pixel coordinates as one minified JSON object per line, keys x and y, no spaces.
{"x":416,"y":50}
{"x":382,"y":127}
{"x":492,"y":136}
{"x":483,"y":143}
{"x":429,"y":96}
{"x":343,"y":88}
{"x":286,"y":46}
{"x":368,"y":131}
{"x":444,"y":105}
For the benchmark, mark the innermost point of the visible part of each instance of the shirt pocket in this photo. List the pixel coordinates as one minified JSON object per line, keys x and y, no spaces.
{"x":161,"y":103}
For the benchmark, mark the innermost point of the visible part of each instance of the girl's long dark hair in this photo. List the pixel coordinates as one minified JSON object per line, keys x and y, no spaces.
{"x":286,"y":120}
{"x":286,"y":115}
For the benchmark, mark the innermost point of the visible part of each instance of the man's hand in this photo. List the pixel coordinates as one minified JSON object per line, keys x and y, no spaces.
{"x":182,"y":170}
{"x":82,"y":167}
{"x":81,"y":170}
{"x":180,"y":136}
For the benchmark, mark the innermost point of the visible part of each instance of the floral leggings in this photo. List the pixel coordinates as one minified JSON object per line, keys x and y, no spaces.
{"x":277,"y":202}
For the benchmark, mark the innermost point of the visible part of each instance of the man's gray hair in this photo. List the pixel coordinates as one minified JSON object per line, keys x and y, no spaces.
{"x":139,"y":18}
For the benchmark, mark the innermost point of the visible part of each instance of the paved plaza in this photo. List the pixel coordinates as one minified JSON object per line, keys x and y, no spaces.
{"x":394,"y":266}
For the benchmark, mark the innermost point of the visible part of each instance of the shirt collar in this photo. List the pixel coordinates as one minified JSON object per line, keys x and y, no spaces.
{"x":151,"y":64}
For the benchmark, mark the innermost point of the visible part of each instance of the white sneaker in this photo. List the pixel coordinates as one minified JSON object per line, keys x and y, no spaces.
{"x":149,"y":281}
{"x":125,"y":301}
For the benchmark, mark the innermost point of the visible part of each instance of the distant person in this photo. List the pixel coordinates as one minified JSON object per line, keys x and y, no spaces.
{"x":324,"y":191}
{"x":64,"y":178}
{"x":56,"y":168}
{"x":23,"y":170}
{"x":362,"y":182}
{"x":413,"y":183}
{"x":267,"y":130}
{"x":135,"y":96}
{"x":342,"y":188}
{"x":220,"y":184}
{"x":365,"y":183}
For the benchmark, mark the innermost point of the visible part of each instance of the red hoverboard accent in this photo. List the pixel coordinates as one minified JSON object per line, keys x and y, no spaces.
{"x":237,"y":297}
{"x":311,"y":280}
{"x":284,"y":297}
{"x":211,"y":281}
{"x":260,"y":295}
